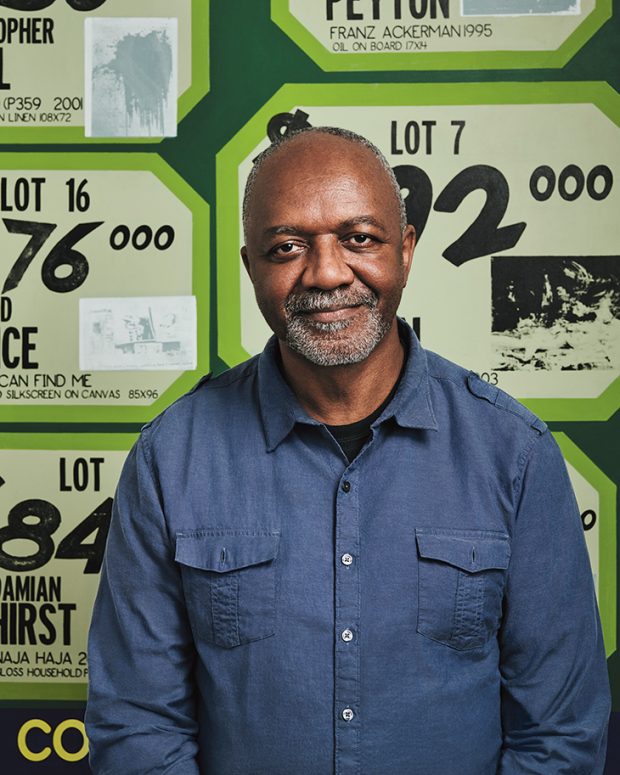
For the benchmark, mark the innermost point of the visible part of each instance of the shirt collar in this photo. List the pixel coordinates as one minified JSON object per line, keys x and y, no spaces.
{"x":411,"y":406}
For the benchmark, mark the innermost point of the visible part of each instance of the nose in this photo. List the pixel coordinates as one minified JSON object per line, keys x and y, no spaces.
{"x":326,"y":266}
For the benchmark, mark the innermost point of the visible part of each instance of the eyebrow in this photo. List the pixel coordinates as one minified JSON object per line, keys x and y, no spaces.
{"x":360,"y":220}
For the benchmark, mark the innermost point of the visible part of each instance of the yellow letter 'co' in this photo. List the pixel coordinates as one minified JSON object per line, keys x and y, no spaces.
{"x":61,"y":751}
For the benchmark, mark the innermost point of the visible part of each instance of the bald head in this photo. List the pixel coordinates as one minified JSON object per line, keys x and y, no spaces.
{"x":309,"y":140}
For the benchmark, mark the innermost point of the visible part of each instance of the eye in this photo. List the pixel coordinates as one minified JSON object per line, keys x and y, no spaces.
{"x":360,"y":240}
{"x":286,"y":249}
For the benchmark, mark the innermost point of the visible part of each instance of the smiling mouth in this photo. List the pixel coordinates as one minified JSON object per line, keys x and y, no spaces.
{"x":329,"y":310}
{"x":332,"y":314}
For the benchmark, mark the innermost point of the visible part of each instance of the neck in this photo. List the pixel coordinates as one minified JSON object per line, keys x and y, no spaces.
{"x":339,"y":395}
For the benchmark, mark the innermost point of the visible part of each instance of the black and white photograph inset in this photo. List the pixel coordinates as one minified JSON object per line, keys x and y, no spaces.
{"x":558,"y":313}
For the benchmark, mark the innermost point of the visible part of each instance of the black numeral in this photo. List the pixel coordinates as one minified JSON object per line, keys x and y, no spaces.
{"x":484,"y":236}
{"x":62,"y":254}
{"x":419,"y":196}
{"x":72,"y":546}
{"x":40,"y":532}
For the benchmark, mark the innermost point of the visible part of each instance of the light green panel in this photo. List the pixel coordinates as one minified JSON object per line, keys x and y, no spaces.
{"x":54,"y":483}
{"x":47,"y":66}
{"x":531,"y":120}
{"x":435,"y":41}
{"x":127,"y":190}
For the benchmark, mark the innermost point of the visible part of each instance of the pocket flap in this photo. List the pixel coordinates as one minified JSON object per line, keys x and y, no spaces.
{"x":222,"y":552}
{"x":470,"y":550}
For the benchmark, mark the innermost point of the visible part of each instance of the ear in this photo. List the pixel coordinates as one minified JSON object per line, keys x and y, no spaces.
{"x":246,"y":261}
{"x":408,"y":246}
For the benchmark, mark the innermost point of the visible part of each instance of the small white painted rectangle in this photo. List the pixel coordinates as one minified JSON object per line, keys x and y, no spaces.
{"x":138,"y":334}
{"x":130,"y":77}
{"x":520,"y":7}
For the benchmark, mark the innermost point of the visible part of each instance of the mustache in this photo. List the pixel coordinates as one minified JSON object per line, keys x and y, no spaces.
{"x":318,"y":300}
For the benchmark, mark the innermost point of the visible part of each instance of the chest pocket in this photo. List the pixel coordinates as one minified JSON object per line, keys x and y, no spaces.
{"x":461,"y":577}
{"x":229,"y":579}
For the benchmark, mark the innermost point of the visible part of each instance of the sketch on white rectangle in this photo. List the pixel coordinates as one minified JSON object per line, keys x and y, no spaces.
{"x":130,"y":77}
{"x":138,"y":334}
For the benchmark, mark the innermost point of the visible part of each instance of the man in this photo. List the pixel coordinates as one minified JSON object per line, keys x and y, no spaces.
{"x":346,"y":555}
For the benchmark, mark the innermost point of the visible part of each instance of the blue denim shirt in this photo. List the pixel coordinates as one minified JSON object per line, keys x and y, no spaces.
{"x":266,"y":608}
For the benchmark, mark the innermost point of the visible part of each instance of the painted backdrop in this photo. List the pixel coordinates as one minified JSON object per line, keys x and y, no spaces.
{"x":126,"y":134}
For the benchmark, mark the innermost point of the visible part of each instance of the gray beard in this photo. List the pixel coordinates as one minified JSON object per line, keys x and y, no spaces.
{"x":323,"y":343}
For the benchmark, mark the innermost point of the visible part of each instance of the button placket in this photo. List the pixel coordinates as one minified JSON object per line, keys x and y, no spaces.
{"x":347,"y":613}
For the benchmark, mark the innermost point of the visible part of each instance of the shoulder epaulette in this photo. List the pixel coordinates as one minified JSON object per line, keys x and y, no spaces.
{"x":200,"y":382}
{"x":491,"y":393}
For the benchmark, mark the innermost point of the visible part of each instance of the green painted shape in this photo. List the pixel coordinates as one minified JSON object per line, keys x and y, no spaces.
{"x":230,"y":349}
{"x":607,"y":600}
{"x":68,"y":441}
{"x":197,"y":89}
{"x":577,"y":409}
{"x":200,"y":59}
{"x":59,"y":441}
{"x":54,"y":692}
{"x":420,"y":60}
{"x":129,"y":162}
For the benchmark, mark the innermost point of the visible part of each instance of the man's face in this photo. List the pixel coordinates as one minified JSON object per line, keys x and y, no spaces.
{"x":325,"y":251}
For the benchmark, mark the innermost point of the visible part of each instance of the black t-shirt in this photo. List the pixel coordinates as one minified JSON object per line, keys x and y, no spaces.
{"x":353,"y":436}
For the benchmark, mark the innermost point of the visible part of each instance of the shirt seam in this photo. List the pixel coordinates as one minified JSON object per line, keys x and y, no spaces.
{"x":227,"y":382}
{"x":447,"y":379}
{"x":212,"y":383}
{"x":148,"y":458}
{"x":523,"y":460}
{"x":173,"y":767}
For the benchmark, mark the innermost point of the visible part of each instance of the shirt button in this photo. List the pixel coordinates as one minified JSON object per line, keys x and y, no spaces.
{"x":346,"y":559}
{"x":346,"y":486}
{"x":346,"y":635}
{"x":347,"y":714}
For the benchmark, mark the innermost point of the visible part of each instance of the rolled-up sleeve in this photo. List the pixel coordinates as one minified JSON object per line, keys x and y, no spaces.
{"x":141,"y":708}
{"x":555,"y":688}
